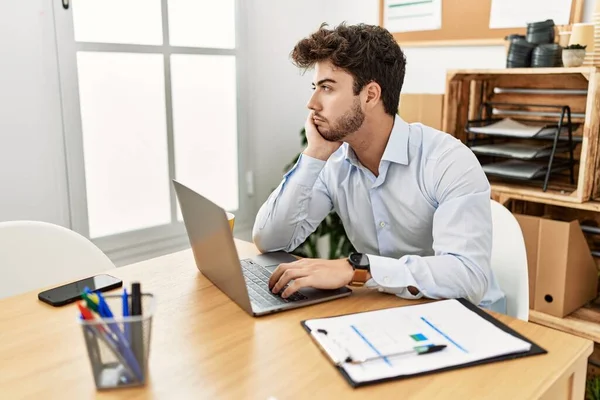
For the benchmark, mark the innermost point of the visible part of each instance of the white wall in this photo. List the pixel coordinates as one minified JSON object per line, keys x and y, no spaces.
{"x":351,"y":11}
{"x":278,"y":92}
{"x":426,"y":66}
{"x":33,"y":181}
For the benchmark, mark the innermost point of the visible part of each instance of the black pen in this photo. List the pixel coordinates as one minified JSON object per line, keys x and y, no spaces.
{"x":137,"y":327}
{"x":419,"y":350}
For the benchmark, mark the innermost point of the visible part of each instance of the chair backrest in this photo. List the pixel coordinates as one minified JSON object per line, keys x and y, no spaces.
{"x":35,"y":254}
{"x":509,"y":261}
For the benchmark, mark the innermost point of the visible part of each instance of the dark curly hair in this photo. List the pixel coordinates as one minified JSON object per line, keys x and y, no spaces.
{"x":368,"y":52}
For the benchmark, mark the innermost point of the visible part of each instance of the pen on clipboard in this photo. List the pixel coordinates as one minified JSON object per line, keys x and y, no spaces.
{"x":420,"y":350}
{"x":342,"y":359}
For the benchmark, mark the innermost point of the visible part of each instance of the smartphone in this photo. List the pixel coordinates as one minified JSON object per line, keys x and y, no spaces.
{"x":70,"y":292}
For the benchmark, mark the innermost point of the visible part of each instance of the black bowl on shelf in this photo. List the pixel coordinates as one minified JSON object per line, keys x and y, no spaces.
{"x":547,"y":55}
{"x":519,"y":52}
{"x":541,"y":32}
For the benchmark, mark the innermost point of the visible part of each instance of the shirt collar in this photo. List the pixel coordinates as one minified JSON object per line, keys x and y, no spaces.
{"x":350,"y":155}
{"x":396,"y":149}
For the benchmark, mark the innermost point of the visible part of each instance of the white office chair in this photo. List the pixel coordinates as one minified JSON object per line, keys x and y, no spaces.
{"x":39,"y":254}
{"x":509,"y":261}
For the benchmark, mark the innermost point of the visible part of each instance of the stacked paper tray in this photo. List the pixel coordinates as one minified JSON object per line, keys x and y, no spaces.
{"x":512,"y":128}
{"x":519,"y":150}
{"x":518,"y":169}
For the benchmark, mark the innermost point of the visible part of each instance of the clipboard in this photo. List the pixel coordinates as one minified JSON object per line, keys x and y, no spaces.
{"x":533,"y":351}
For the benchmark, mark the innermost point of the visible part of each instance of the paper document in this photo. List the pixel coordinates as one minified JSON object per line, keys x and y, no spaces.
{"x":468,"y":337}
{"x":519,"y":150}
{"x":519,"y":169}
{"x":518,"y":13}
{"x":510,"y":127}
{"x":412,"y":15}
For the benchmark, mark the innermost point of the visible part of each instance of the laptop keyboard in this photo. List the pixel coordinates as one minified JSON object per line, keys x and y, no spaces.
{"x":257,"y":281}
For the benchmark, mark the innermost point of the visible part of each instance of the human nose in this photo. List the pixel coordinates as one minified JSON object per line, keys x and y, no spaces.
{"x":313,"y":103}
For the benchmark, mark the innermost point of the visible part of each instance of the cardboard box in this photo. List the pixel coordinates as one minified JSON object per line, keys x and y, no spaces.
{"x":562,"y":272}
{"x":424,"y":108}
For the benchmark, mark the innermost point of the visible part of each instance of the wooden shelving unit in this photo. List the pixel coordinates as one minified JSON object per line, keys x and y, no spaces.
{"x":504,"y":195}
{"x":584,"y":322}
{"x":521,"y":90}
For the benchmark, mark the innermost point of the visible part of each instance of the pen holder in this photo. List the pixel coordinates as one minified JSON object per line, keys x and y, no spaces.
{"x":119,"y":347}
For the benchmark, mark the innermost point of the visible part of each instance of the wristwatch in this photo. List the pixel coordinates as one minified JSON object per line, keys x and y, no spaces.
{"x":361,"y":266}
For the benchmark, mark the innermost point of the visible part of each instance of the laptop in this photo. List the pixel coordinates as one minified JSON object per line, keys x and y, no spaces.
{"x":244,"y":281}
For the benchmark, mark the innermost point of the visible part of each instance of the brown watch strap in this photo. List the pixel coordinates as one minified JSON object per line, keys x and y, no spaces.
{"x":360,"y":277}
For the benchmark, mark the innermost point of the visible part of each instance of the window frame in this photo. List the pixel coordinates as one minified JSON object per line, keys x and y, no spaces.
{"x":140,"y":244}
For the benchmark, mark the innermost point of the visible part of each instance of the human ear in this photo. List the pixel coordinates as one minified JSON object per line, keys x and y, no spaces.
{"x":372,"y":93}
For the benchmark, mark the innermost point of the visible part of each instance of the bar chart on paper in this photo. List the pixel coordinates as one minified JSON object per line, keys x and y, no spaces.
{"x":364,"y":341}
{"x":390,"y":339}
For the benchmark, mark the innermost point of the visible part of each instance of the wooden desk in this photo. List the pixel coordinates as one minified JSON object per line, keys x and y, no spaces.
{"x":205,"y":347}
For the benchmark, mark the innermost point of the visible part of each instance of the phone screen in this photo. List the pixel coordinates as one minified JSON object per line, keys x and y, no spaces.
{"x":72,"y":291}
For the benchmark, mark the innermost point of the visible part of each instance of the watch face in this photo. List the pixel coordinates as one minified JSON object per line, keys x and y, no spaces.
{"x":359,"y":260}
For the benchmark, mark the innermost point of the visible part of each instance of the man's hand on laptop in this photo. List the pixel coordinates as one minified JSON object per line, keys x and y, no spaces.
{"x":307,"y":272}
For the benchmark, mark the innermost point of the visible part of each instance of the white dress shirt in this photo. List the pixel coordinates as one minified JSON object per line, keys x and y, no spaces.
{"x":425,"y":221}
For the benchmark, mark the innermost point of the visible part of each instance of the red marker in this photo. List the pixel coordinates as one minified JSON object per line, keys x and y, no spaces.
{"x":85,"y":312}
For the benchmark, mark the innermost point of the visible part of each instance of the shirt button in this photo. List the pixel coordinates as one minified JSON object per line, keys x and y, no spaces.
{"x":380,"y":289}
{"x":382,"y":224}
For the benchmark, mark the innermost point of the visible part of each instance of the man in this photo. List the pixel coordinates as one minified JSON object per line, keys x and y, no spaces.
{"x":414,"y":201}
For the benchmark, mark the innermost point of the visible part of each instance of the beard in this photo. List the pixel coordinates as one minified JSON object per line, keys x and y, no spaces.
{"x":348,"y":123}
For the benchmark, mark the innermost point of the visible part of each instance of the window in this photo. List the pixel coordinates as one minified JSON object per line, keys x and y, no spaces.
{"x":150,"y":94}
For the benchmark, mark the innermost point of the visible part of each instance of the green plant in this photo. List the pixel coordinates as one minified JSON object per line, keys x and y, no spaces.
{"x":575,"y":47}
{"x":592,"y":388}
{"x":338,"y":242}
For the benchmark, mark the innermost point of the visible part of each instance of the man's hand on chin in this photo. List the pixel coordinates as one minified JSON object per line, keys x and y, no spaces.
{"x":311,"y":272}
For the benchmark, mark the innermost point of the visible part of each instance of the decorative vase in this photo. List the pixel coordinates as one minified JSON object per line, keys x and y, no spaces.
{"x":573,"y":57}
